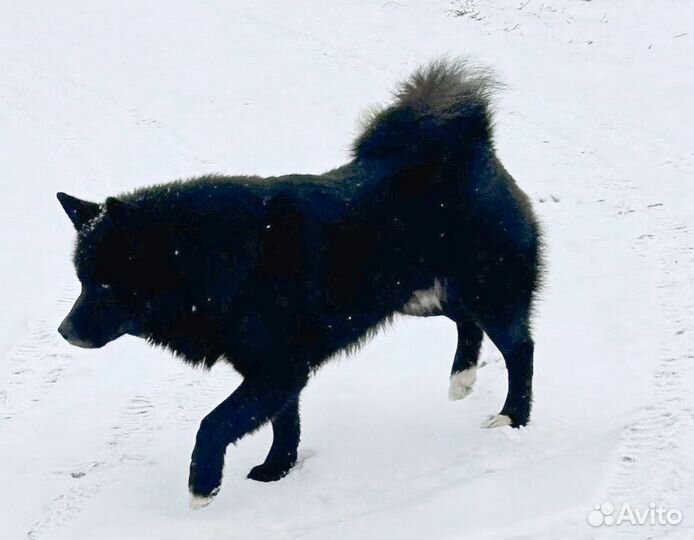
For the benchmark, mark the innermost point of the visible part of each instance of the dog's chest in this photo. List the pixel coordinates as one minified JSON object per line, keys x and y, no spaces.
{"x":426,"y":301}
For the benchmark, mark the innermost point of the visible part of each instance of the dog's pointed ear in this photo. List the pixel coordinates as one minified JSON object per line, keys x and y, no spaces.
{"x":117,"y":208}
{"x":80,"y":212}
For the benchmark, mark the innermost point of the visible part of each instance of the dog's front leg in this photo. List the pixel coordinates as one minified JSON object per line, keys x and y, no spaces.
{"x":286,"y":432}
{"x":252,"y":404}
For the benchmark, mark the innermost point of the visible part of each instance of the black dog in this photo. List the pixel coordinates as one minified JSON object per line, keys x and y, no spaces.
{"x":276,"y":275}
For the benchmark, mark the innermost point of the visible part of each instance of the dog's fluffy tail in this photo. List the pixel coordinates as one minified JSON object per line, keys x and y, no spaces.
{"x":441,"y":110}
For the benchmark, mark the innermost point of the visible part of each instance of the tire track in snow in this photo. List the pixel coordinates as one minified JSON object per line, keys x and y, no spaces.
{"x":77,"y":94}
{"x":35,"y":364}
{"x":270,"y":19}
{"x":181,"y":399}
{"x":655,"y":459}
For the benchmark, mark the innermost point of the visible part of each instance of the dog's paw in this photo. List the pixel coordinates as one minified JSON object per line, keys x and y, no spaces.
{"x":197,"y":502}
{"x":462,"y":383}
{"x":270,"y":472}
{"x":204,"y":482}
{"x":500,"y":420}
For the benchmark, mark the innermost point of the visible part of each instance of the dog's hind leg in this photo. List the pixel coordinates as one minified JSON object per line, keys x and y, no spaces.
{"x":514,"y":341}
{"x":251,"y":405}
{"x":286,"y":432}
{"x":464,"y":370}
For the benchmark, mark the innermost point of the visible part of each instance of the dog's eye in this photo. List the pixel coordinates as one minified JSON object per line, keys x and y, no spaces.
{"x":105,"y":286}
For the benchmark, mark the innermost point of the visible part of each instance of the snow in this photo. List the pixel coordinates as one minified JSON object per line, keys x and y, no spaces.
{"x":596,"y":125}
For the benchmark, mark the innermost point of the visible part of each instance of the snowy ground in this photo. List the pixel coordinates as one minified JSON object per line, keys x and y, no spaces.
{"x":596,"y":124}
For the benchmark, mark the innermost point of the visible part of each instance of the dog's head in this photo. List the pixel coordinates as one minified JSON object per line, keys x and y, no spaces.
{"x":125,"y":267}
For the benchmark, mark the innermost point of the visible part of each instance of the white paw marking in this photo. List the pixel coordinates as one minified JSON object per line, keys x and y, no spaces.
{"x":500,"y":420}
{"x":462,"y":383}
{"x":198,"y":501}
{"x":426,"y":301}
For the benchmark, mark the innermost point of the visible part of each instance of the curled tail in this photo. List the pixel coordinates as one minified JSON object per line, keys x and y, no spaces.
{"x":439,"y":111}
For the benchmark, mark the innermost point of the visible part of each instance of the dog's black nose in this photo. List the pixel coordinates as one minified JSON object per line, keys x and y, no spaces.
{"x":65,"y":330}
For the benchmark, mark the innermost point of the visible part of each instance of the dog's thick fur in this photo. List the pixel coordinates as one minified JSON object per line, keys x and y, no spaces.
{"x":276,"y":275}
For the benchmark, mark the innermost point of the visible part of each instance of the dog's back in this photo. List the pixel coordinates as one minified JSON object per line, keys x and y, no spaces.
{"x":321,"y":261}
